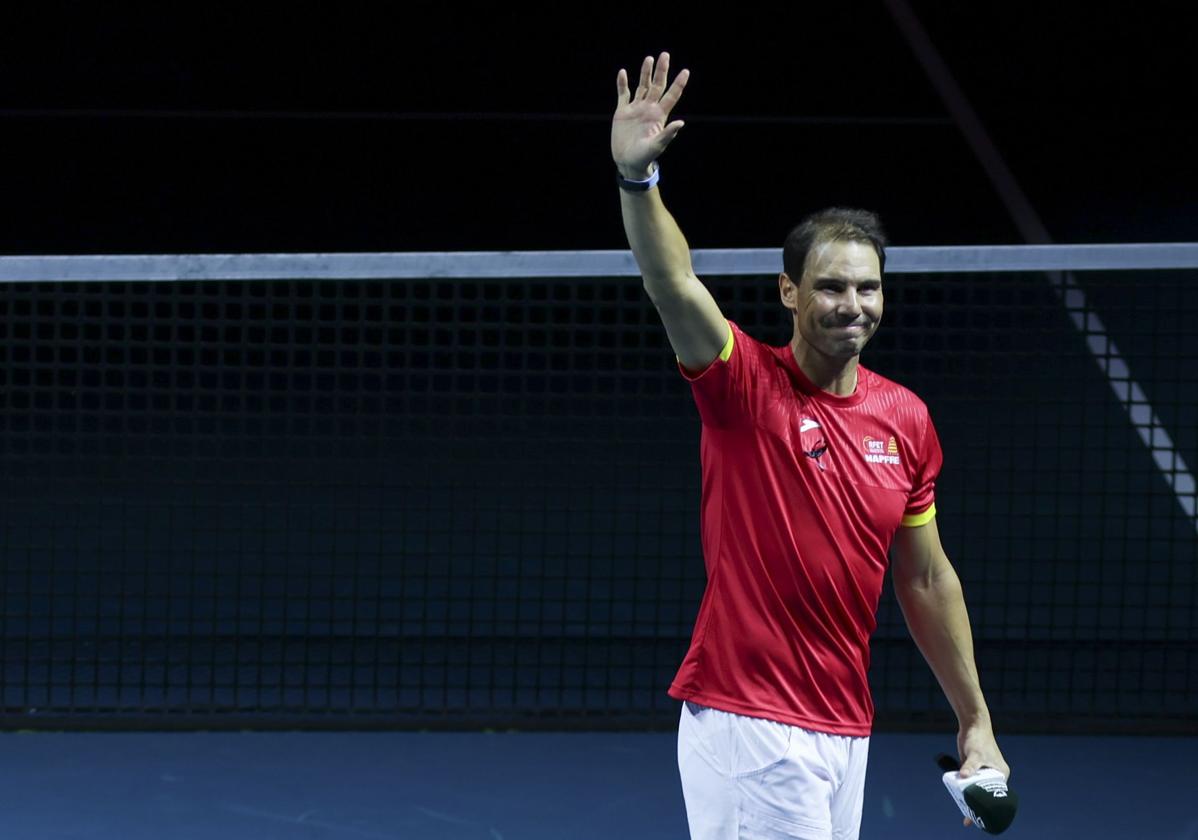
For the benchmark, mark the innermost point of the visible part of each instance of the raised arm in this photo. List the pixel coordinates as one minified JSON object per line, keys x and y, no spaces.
{"x":639,"y":134}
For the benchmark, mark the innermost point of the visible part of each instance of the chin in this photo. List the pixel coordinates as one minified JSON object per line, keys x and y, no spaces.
{"x":841,"y":352}
{"x":845,"y":346}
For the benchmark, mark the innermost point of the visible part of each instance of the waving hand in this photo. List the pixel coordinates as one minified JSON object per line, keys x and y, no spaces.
{"x":640,"y":129}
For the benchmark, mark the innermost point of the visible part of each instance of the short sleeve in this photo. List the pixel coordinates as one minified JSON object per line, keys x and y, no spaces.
{"x":921,"y":503}
{"x":727,"y":390}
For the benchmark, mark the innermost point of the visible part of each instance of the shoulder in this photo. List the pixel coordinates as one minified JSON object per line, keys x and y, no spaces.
{"x":908,"y":417}
{"x":746,"y":341}
{"x":757,"y":352}
{"x":888,"y":395}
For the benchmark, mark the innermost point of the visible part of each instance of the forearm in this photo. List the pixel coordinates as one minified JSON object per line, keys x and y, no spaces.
{"x":939,"y":623}
{"x":657,"y":243}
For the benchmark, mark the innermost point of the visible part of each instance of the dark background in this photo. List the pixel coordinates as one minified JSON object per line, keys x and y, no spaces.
{"x":435,"y":126}
{"x":472,"y":502}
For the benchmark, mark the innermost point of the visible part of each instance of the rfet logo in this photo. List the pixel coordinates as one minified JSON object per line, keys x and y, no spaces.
{"x":878,"y":451}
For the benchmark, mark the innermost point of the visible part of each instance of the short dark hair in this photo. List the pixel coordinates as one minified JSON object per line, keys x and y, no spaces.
{"x":832,"y":224}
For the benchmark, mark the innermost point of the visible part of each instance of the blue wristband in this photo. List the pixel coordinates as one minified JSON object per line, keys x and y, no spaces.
{"x":640,"y":186}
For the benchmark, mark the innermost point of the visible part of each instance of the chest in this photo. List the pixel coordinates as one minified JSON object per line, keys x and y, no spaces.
{"x":864,"y":447}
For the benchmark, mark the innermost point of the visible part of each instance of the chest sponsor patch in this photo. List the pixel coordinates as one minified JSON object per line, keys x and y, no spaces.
{"x":880,"y":450}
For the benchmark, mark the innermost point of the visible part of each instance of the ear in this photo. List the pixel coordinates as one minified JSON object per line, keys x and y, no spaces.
{"x":788,"y":290}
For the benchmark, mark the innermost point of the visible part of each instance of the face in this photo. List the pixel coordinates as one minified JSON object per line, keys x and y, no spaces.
{"x":837,"y":304}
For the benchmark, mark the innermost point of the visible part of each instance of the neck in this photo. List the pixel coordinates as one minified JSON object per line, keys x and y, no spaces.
{"x":835,"y":375}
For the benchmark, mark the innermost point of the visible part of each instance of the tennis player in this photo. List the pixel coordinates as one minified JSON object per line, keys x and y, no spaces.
{"x":813,"y":469}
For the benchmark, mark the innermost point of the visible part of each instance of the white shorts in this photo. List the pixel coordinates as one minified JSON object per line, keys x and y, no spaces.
{"x":746,"y":778}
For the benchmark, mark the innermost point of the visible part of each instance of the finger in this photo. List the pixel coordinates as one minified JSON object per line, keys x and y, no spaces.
{"x":661,"y":74}
{"x":670,"y":132}
{"x":642,"y":88}
{"x":622,"y":87}
{"x":675,"y":92}
{"x":972,"y":766}
{"x":967,"y":822}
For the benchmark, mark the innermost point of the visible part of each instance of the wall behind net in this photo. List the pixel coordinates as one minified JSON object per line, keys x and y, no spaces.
{"x":474,"y":502}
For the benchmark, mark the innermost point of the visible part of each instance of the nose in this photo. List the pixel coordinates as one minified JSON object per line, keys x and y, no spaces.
{"x":849,"y":304}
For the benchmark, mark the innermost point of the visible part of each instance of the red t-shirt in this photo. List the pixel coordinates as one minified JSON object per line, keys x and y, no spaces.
{"x":802,"y":494}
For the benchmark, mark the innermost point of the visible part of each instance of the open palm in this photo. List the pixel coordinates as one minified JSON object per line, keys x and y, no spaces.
{"x":640,"y":129}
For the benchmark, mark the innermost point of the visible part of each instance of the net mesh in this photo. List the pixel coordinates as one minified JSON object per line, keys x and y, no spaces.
{"x":475,"y":502}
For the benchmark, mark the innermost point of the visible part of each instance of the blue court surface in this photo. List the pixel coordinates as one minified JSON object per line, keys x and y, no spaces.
{"x":532,"y":786}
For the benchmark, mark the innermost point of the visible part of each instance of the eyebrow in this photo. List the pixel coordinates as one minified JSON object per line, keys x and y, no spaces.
{"x":842,"y":281}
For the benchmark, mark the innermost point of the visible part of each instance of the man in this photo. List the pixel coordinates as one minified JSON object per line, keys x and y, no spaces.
{"x":813,"y":469}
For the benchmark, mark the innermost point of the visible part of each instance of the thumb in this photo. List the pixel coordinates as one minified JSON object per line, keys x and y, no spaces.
{"x":670,"y":132}
{"x":968,"y":768}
